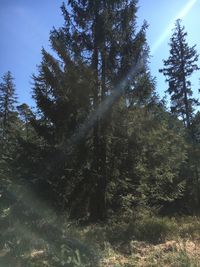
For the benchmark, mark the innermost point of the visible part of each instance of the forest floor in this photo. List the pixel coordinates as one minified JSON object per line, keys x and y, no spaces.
{"x":171,"y":254}
{"x":147,"y":242}
{"x":124,"y":241}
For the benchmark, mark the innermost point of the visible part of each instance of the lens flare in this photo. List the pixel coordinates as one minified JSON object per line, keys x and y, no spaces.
{"x":103,"y":107}
{"x":183,"y":12}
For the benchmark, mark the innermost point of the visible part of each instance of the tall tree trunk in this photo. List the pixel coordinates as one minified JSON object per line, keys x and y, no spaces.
{"x":185,"y":96}
{"x":97,"y":199}
{"x":187,"y":112}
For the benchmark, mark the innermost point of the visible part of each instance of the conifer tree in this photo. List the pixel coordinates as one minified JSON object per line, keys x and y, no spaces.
{"x":105,"y":32}
{"x":178,"y":68}
{"x":25,"y":115}
{"x":7,"y":103}
{"x":196,"y":127}
{"x":8,"y":132}
{"x":97,"y":50}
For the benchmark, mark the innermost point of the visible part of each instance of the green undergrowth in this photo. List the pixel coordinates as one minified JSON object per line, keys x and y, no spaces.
{"x":139,"y":239}
{"x":29,"y":239}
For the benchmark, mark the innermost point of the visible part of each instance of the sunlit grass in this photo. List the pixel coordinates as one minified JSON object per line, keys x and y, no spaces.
{"x":141,"y":239}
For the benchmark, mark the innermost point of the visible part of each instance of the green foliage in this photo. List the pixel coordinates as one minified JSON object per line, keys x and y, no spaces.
{"x":178,"y":68}
{"x":34,"y":238}
{"x":188,"y":227}
{"x":180,"y":65}
{"x":101,"y":145}
{"x":148,"y":159}
{"x":101,"y":141}
{"x":77,"y":91}
{"x":7,"y":105}
{"x":151,"y":229}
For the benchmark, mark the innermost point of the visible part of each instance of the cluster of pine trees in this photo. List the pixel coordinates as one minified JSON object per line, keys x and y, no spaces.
{"x":101,"y":140}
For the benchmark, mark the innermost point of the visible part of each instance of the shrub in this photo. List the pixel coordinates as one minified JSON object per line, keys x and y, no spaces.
{"x":151,"y":229}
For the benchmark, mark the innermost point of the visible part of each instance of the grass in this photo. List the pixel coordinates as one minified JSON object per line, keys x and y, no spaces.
{"x":141,"y":240}
{"x":145,"y":240}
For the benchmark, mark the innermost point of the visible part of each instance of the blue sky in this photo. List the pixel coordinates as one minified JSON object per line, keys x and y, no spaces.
{"x":25,"y":27}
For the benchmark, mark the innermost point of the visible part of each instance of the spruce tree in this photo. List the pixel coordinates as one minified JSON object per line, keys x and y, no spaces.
{"x":196,"y":127}
{"x":178,"y":68}
{"x":25,"y":115}
{"x":8,"y":136}
{"x":111,"y":46}
{"x":8,"y":124}
{"x":97,"y":51}
{"x":7,"y":103}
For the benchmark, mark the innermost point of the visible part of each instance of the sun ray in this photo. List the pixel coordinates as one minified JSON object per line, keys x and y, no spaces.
{"x":182,"y":13}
